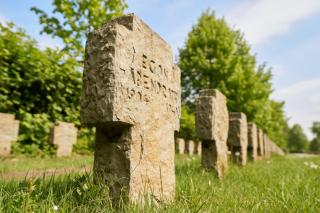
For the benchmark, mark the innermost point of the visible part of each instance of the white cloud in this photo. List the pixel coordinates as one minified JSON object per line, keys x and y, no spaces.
{"x":46,"y":41}
{"x":260,"y":20}
{"x":302,"y":102}
{"x":299,"y":88}
{"x":3,"y":20}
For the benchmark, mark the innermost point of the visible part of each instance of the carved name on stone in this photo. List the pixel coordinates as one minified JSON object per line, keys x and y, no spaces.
{"x":131,"y":93}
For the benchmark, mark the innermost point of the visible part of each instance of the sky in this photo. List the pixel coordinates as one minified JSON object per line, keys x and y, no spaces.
{"x":283,"y":33}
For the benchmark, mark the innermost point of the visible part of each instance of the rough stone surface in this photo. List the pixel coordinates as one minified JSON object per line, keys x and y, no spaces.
{"x":212,"y":124}
{"x":252,"y":142}
{"x":260,"y":144}
{"x":180,"y":145}
{"x":238,"y":137}
{"x":9,"y":129}
{"x":64,"y":135}
{"x":131,"y":93}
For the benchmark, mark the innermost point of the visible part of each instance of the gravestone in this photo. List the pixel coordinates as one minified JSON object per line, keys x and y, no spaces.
{"x":212,"y":124}
{"x":238,"y":137}
{"x":266,"y":146}
{"x":260,"y":144}
{"x":190,"y":147}
{"x":131,"y":94}
{"x":275,"y":149}
{"x":9,"y":129}
{"x":252,"y":142}
{"x":180,"y":145}
{"x":64,"y":136}
{"x":197,"y":147}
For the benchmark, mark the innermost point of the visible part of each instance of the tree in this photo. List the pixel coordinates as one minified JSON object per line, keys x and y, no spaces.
{"x":297,"y":140}
{"x":72,"y":20}
{"x":216,"y":56}
{"x":36,"y":81}
{"x":315,"y":143}
{"x":38,"y":86}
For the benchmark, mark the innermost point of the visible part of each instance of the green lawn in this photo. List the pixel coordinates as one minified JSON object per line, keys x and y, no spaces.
{"x":276,"y":185}
{"x":20,"y":164}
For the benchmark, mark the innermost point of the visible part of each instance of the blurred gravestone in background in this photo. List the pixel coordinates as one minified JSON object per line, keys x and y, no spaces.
{"x":64,"y":135}
{"x":212,"y":123}
{"x":238,"y":137}
{"x":9,"y":129}
{"x":252,"y":142}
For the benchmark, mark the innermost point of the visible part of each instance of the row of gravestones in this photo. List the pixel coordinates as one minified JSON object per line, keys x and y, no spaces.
{"x":224,"y":134}
{"x":190,"y":147}
{"x":131,"y":94}
{"x":63,"y":135}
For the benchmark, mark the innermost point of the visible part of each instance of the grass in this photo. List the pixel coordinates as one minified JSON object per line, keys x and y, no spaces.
{"x":275,"y":185}
{"x":24,"y":164}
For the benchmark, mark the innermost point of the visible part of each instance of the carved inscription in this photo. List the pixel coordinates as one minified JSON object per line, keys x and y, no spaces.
{"x":149,"y":80}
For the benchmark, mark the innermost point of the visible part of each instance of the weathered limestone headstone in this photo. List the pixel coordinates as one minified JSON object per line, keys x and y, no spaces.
{"x":267,"y":152}
{"x":275,"y":149}
{"x":190,"y":147}
{"x":260,"y":144}
{"x":197,"y":147}
{"x":212,"y":124}
{"x":131,"y":94}
{"x":9,"y":129}
{"x":252,"y":142}
{"x":238,"y":137}
{"x":64,"y":135}
{"x":180,"y":145}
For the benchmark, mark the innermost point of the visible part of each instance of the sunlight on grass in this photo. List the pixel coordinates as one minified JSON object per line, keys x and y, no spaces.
{"x":275,"y":185}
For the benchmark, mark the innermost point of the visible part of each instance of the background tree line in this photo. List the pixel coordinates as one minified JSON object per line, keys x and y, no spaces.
{"x":43,"y":86}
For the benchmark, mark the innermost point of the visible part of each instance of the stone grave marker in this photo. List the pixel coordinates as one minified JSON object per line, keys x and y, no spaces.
{"x":238,"y":137}
{"x":212,"y":124}
{"x":64,"y":135}
{"x":252,"y":142}
{"x":131,"y":94}
{"x":197,"y":149}
{"x":9,"y":129}
{"x":275,"y":149}
{"x":190,"y":147}
{"x":266,"y":146}
{"x":260,"y":144}
{"x":180,"y":145}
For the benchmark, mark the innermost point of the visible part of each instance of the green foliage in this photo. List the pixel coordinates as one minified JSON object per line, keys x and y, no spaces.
{"x":37,"y":81}
{"x":315,"y":143}
{"x":72,"y":20}
{"x":38,"y":86}
{"x":297,"y":140}
{"x":316,"y":129}
{"x":187,"y":123}
{"x":85,"y":142}
{"x":216,"y":56}
{"x":34,"y":135}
